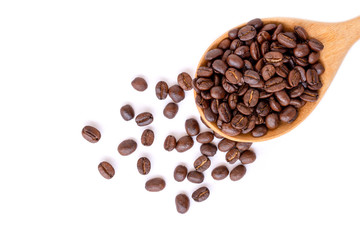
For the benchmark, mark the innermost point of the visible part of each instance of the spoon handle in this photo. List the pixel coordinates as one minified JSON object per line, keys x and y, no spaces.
{"x":348,"y":32}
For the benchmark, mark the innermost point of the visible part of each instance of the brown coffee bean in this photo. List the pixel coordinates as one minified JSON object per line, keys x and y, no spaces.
{"x":147,"y":137}
{"x":155,"y":185}
{"x":224,"y":112}
{"x":239,"y":121}
{"x":297,"y":103}
{"x":309,"y":96}
{"x":242,"y":146}
{"x":219,"y":66}
{"x":180,"y":173}
{"x":208,"y":149}
{"x":225,"y":145}
{"x":242,"y":108}
{"x":234,"y":61}
{"x":127,"y":147}
{"x":251,"y":125}
{"x":170,"y":110}
{"x":200,"y":102}
{"x":296,"y":91}
{"x":232,"y":155}
{"x":274,"y":105}
{"x":201,"y":194}
{"x":205,"y":137}
{"x":247,"y":33}
{"x":275,"y":84}
{"x":282,"y":70}
{"x":251,"y":97}
{"x":185,"y":81}
{"x":91,"y":134}
{"x":106,"y":170}
{"x":247,"y":157}
{"x":273,"y":57}
{"x":255,"y":51}
{"x":217,"y":92}
{"x":195,"y":177}
{"x":224,"y":44}
{"x":204,"y":72}
{"x":319,"y":68}
{"x":289,"y":114}
{"x":184,"y":143}
{"x":237,"y":173}
{"x":220,"y":172}
{"x":144,"y":119}
{"x":300,"y":32}
{"x":294,"y":77}
{"x":139,"y":84}
{"x":267,"y":71}
{"x":176,"y":93}
{"x":263,"y":109}
{"x":259,"y":131}
{"x":169,"y":143}
{"x":127,"y":112}
{"x":263,"y":36}
{"x":213,"y":53}
{"x":202,"y":163}
{"x":143,"y":165}
{"x":235,"y":44}
{"x":233,"y":33}
{"x":315,"y":45}
{"x":243,"y":52}
{"x":161,"y":90}
{"x":265,"y":48}
{"x":192,"y":127}
{"x":282,"y":97}
{"x":232,"y":101}
{"x":314,"y":57}
{"x":182,"y":203}
{"x":278,"y":30}
{"x":251,"y":77}
{"x":233,"y":75}
{"x":287,"y":39}
{"x":228,"y":129}
{"x":312,"y":77}
{"x":301,"y":50}
{"x":256,"y":23}
{"x":204,"y":84}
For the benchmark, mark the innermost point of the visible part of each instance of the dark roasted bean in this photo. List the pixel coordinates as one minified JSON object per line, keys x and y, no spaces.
{"x":155,"y":185}
{"x":147,"y":137}
{"x":202,"y":163}
{"x":180,"y":173}
{"x":139,"y":84}
{"x":184,"y":80}
{"x":195,"y":177}
{"x":91,"y":134}
{"x":272,"y":121}
{"x":143,"y":165}
{"x":182,"y":203}
{"x":106,"y":170}
{"x":201,"y":194}
{"x":288,"y":114}
{"x":127,"y":112}
{"x":176,"y":93}
{"x":232,"y":155}
{"x":220,"y":172}
{"x":247,"y":157}
{"x":259,"y":131}
{"x":169,"y":143}
{"x":238,"y":172}
{"x":171,"y":110}
{"x":127,"y":147}
{"x":184,"y":143}
{"x":144,"y":119}
{"x":161,"y":90}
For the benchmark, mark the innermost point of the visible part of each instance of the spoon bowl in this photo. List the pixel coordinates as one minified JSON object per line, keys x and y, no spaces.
{"x":337,"y":39}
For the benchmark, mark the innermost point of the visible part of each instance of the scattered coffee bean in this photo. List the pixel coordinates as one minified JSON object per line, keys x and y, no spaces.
{"x":171,"y":110}
{"x":247,"y":157}
{"x":139,"y":84}
{"x":127,"y":147}
{"x":169,"y":143}
{"x":192,"y":127}
{"x":182,"y":203}
{"x":205,"y":137}
{"x":147,"y":137}
{"x":243,"y":146}
{"x":144,"y":119}
{"x":155,"y":185}
{"x":91,"y":134}
{"x":180,"y":173}
{"x":232,"y":155}
{"x":226,"y":144}
{"x":202,"y":163}
{"x":176,"y":93}
{"x":208,"y":149}
{"x":106,"y":170}
{"x":195,"y":177}
{"x":184,"y":143}
{"x":185,"y":81}
{"x":237,"y":173}
{"x":201,"y":194}
{"x":127,"y":112}
{"x":143,"y":165}
{"x":161,"y":90}
{"x":220,"y":172}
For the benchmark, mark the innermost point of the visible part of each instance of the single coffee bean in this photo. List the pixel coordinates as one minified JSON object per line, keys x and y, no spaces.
{"x":255,"y":51}
{"x":239,"y":121}
{"x":273,"y":57}
{"x":106,"y":170}
{"x":224,"y":112}
{"x":201,"y":194}
{"x":243,"y":52}
{"x":263,"y":109}
{"x":313,"y":57}
{"x":233,"y":75}
{"x":127,"y":147}
{"x":247,"y":33}
{"x":301,"y":50}
{"x":275,"y":84}
{"x":251,"y":77}
{"x":264,"y":94}
{"x":232,"y":101}
{"x":184,"y":144}
{"x":265,"y":47}
{"x":192,"y":127}
{"x":205,"y":137}
{"x":272,"y":121}
{"x":269,"y":27}
{"x":232,"y":155}
{"x":250,"y":126}
{"x":170,"y":110}
{"x":309,"y":96}
{"x":217,"y":92}
{"x":139,"y":84}
{"x":243,"y":146}
{"x":259,"y":64}
{"x":147,"y":137}
{"x":287,"y":39}
{"x":289,"y":114}
{"x":201,"y":102}
{"x":155,"y":185}
{"x":185,"y":81}
{"x":169,"y":143}
{"x":267,"y":72}
{"x":228,"y":87}
{"x":182,"y":203}
{"x":219,"y":66}
{"x":282,"y":70}
{"x":161,"y":90}
{"x":213,"y":53}
{"x":282,"y":97}
{"x":297,"y":103}
{"x":274,"y":105}
{"x":220,"y":172}
{"x":256,"y":23}
{"x":278,"y":30}
{"x":144,"y":119}
{"x":237,"y":173}
{"x":91,"y":134}
{"x":242,"y":89}
{"x":251,"y":97}
{"x":204,"y":84}
{"x":235,"y":44}
{"x":262,"y":37}
{"x":247,"y":157}
{"x":224,"y":44}
{"x":277,"y":47}
{"x":143,"y":165}
{"x":210,"y":115}
{"x":202,"y":163}
{"x":296,"y":91}
{"x":208,"y":149}
{"x":225,"y":145}
{"x":195,"y":177}
{"x":232,"y":34}
{"x":300,"y":32}
{"x":294,"y":77}
{"x":315,"y":45}
{"x":127,"y":112}
{"x":228,"y":129}
{"x":312,"y":77}
{"x":204,"y":72}
{"x":176,"y":93}
{"x":259,"y":131}
{"x":242,"y":108}
{"x":319,"y":68}
{"x":234,"y":61}
{"x":180,"y":173}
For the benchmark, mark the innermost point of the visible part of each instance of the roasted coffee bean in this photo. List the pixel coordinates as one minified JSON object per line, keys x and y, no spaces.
{"x":267,"y":72}
{"x":255,"y":51}
{"x":205,"y":137}
{"x":127,"y":112}
{"x":251,"y":77}
{"x":256,"y":23}
{"x":184,"y":143}
{"x":200,"y":102}
{"x":139,"y":84}
{"x":206,"y":95}
{"x":247,"y":33}
{"x":155,"y":185}
{"x":237,"y":173}
{"x":300,"y":32}
{"x":263,"y":36}
{"x":282,"y":97}
{"x":210,"y":115}
{"x":301,"y":50}
{"x":259,"y":131}
{"x":176,"y":93}
{"x":269,"y":27}
{"x":171,"y":110}
{"x":224,"y":44}
{"x":220,"y":172}
{"x":259,"y":65}
{"x":251,"y":97}
{"x":282,"y":70}
{"x":309,"y":95}
{"x":147,"y":137}
{"x":225,"y":145}
{"x":192,"y":127}
{"x":232,"y":34}
{"x":208,"y":149}
{"x":272,"y":121}
{"x":215,"y":105}
{"x":260,"y":85}
{"x":297,"y":103}
{"x":204,"y":84}
{"x":228,"y":129}
{"x":296,"y":91}
{"x":182,"y":203}
{"x":294,"y":77}
{"x":204,"y":72}
{"x":180,"y":173}
{"x":232,"y":100}
{"x":224,"y":112}
{"x":184,"y":80}
{"x":278,"y":30}
{"x":242,"y":108}
{"x":277,"y":47}
{"x":242,"y":89}
{"x":319,"y":68}
{"x":265,"y":48}
{"x":262,"y":109}
{"x":143,"y":165}
{"x":226,"y":54}
{"x":127,"y":147}
{"x":169,"y":143}
{"x":247,"y":157}
{"x":202,"y":163}
{"x":274,"y":105}
{"x":201,"y":194}
{"x":243,"y":52}
{"x":213,"y":53}
{"x":106,"y":170}
{"x":312,"y":77}
{"x":217,"y":135}
{"x":219,"y":66}
{"x":239,"y":121}
{"x":264,"y":94}
{"x":275,"y":84}
{"x":313,"y":57}
{"x":144,"y":119}
{"x":316,"y":86}
{"x":289,"y":114}
{"x":91,"y":134}
{"x":287,"y":39}
{"x":233,"y":76}
{"x":273,"y":57}
{"x":243,"y":146}
{"x":235,"y":61}
{"x":161,"y":90}
{"x":195,"y":177}
{"x":217,"y":92}
{"x":235,"y":44}
{"x":228,"y":87}
{"x":232,"y":155}
{"x":315,"y":45}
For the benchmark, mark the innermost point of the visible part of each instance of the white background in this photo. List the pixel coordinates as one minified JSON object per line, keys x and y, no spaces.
{"x":65,"y":64}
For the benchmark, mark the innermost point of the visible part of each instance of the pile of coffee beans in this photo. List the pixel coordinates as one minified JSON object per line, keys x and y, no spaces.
{"x":258,"y":77}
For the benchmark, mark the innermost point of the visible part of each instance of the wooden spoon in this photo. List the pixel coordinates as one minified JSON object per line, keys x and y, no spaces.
{"x":337,"y":39}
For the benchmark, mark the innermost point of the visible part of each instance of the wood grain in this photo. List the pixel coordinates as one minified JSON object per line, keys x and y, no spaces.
{"x":337,"y":39}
